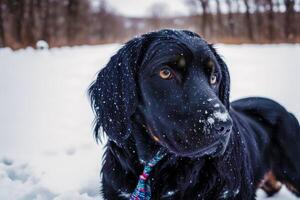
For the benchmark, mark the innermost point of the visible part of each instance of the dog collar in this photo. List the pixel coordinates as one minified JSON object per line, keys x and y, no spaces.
{"x":143,"y":188}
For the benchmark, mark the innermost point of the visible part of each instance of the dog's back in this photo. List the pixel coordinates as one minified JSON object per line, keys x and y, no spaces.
{"x":276,"y":135}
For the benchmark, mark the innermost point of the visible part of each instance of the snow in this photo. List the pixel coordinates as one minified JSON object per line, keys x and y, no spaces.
{"x":125,"y":195}
{"x":210,"y":120}
{"x":217,"y":105}
{"x":221,"y":116}
{"x":42,"y":44}
{"x":169,"y":194}
{"x":47,"y":150}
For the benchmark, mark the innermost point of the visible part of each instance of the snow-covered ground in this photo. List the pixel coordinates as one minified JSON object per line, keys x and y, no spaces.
{"x":46,"y":146}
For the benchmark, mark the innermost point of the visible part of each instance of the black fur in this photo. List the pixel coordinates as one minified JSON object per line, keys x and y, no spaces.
{"x":217,"y":149}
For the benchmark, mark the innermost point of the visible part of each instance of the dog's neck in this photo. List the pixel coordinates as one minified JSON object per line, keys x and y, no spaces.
{"x":146,"y":146}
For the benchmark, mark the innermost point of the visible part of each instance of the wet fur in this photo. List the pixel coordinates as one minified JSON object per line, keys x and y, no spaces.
{"x":263,"y":138}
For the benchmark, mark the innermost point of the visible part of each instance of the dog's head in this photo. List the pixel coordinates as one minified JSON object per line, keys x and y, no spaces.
{"x":175,"y":83}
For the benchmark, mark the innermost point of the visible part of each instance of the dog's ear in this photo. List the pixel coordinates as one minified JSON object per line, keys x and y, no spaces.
{"x":113,"y":94}
{"x":224,"y":91}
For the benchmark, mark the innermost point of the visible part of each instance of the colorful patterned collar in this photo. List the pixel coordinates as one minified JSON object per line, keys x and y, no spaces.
{"x":143,"y":188}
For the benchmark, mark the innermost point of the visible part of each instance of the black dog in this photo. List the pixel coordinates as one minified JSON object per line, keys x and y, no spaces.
{"x":170,"y":90}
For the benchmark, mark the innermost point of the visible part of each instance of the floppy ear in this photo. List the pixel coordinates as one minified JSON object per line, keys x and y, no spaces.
{"x":113,"y":94}
{"x":224,"y":91}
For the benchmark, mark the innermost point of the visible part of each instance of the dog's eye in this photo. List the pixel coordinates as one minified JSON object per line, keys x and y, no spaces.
{"x":165,"y":73}
{"x":210,"y":67}
{"x":213,"y":79}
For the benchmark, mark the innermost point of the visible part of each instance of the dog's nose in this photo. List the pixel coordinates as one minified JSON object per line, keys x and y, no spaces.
{"x":223,"y":127}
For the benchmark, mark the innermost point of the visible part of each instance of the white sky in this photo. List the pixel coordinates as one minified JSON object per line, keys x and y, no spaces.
{"x":137,"y":8}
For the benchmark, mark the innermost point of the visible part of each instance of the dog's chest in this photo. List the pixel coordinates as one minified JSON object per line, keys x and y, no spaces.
{"x":193,"y":186}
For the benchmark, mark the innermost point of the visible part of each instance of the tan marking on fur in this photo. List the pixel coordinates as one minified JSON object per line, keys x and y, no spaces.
{"x":270,"y":183}
{"x":155,"y":138}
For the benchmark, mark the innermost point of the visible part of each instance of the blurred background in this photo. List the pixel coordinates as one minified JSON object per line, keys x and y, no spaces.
{"x":47,"y":150}
{"x":76,"y":22}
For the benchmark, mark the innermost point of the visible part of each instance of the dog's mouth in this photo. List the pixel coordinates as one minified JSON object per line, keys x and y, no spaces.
{"x":213,"y":148}
{"x":206,"y":151}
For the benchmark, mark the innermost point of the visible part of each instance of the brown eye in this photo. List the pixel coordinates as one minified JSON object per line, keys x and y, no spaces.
{"x":165,"y":73}
{"x":211,"y":70}
{"x":213,"y":79}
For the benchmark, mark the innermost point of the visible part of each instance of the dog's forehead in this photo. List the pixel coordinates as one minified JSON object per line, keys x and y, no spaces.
{"x":194,"y":43}
{"x":179,"y":42}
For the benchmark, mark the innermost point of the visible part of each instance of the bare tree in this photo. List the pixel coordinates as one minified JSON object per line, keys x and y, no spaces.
{"x":45,"y":25}
{"x":2,"y":36}
{"x":108,"y":25}
{"x":28,"y":35}
{"x":259,"y":5}
{"x":231,"y":23}
{"x":157,"y":11}
{"x":53,"y":21}
{"x":16,"y":9}
{"x":271,"y":19}
{"x":248,"y":20}
{"x":72,"y":19}
{"x":289,"y":19}
{"x":219,"y":18}
{"x":103,"y":17}
{"x":204,"y":6}
{"x":77,"y":20}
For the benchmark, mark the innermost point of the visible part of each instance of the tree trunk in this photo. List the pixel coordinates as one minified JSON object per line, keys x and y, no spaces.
{"x":219,"y":20}
{"x":16,"y":8}
{"x":45,"y":29}
{"x":270,"y":13}
{"x":289,"y":19}
{"x":72,"y":20}
{"x":18,"y":20}
{"x":204,"y":5}
{"x":231,"y":24}
{"x":2,"y":36}
{"x":259,"y":21}
{"x":248,"y":20}
{"x":29,"y":25}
